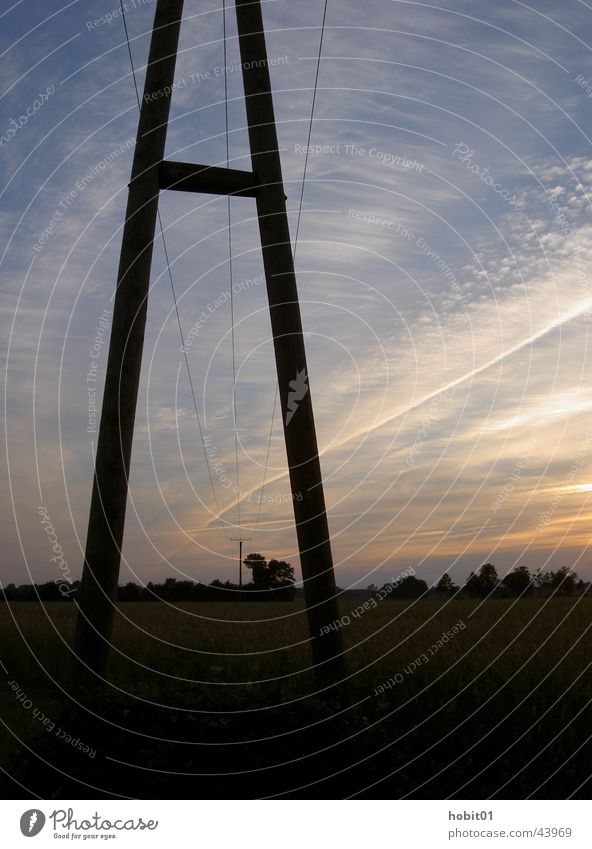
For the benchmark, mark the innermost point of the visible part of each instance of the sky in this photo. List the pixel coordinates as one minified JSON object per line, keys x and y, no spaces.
{"x":443,"y":263}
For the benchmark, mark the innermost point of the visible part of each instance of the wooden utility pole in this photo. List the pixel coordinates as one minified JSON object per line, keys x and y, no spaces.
{"x":114,"y":447}
{"x":150,"y":174}
{"x":240,"y":541}
{"x":296,"y":403}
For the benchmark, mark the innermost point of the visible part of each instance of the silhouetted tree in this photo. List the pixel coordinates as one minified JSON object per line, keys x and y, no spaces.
{"x":130,"y":592}
{"x":520,"y":581}
{"x":258,"y":565}
{"x":409,"y":587}
{"x":220,"y":591}
{"x":281,"y":580}
{"x":276,"y":576}
{"x":488,"y":577}
{"x":279,"y":573}
{"x":27,"y":592}
{"x":445,"y":586}
{"x":483,"y":583}
{"x":561,"y":582}
{"x":472,"y":585}
{"x":49,"y":591}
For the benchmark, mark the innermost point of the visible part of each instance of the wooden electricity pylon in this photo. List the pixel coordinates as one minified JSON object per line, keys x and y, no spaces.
{"x":150,"y":174}
{"x":240,"y":541}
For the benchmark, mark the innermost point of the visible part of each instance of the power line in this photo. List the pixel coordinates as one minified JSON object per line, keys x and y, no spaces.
{"x":312,"y":110}
{"x":267,"y":457}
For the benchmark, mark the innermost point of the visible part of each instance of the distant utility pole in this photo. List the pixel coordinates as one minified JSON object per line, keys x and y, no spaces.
{"x":150,"y":175}
{"x":240,"y":541}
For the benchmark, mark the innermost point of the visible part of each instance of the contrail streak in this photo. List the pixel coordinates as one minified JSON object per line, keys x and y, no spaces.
{"x":574,"y":312}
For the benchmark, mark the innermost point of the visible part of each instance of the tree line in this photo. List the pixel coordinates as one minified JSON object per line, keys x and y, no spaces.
{"x":273,"y":580}
{"x":486,"y":583}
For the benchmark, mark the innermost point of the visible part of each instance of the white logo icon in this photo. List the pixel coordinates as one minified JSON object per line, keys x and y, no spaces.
{"x":298,"y":389}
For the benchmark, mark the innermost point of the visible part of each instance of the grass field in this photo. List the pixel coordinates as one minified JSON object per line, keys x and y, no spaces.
{"x":217,"y":700}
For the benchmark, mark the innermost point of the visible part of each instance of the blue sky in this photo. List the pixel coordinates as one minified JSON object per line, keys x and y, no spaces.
{"x":443,"y":264}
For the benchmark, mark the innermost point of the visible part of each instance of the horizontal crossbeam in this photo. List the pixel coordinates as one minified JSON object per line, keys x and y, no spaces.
{"x":207,"y":179}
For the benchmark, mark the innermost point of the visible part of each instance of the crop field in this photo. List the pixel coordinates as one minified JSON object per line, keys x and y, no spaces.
{"x":465,"y":699}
